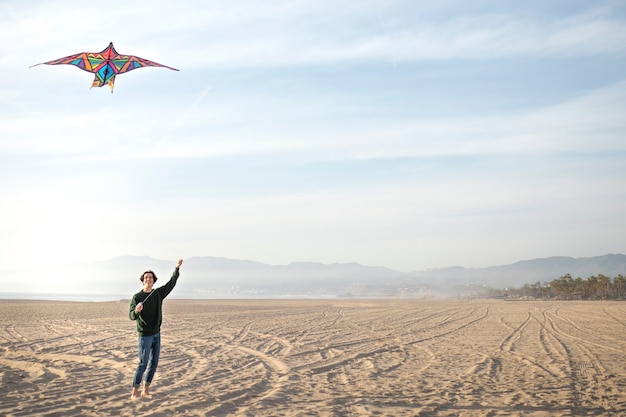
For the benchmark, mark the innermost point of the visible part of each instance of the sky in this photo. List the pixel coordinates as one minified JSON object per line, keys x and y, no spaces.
{"x":405,"y":134}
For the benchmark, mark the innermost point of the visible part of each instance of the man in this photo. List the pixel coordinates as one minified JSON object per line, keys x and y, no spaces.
{"x":146,"y":308}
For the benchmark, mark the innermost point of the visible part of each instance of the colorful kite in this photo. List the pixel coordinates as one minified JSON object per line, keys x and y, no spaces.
{"x":106,"y":64}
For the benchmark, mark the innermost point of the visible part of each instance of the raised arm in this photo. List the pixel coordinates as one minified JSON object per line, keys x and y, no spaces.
{"x":169,"y":286}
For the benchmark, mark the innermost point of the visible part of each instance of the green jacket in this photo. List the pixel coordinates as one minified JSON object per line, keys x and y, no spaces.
{"x":150,"y":318}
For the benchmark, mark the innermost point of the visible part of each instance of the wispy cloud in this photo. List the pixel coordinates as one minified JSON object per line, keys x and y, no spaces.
{"x":316,"y":38}
{"x":210,"y":34}
{"x":563,"y":127}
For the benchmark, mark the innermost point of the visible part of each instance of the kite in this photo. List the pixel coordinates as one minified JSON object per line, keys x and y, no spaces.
{"x":105,"y":64}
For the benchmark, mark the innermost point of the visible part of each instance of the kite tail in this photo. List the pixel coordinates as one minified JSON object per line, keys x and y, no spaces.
{"x":97,"y":82}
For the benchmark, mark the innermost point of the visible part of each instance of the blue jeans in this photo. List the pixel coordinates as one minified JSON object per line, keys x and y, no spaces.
{"x":149,"y":349}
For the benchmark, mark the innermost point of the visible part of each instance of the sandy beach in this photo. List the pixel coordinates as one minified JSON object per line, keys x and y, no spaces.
{"x":319,"y":358}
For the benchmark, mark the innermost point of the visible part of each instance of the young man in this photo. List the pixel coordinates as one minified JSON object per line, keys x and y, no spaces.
{"x":146,"y":309}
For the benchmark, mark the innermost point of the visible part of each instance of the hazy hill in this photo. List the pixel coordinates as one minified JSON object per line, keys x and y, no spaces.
{"x":529,"y":271}
{"x":211,"y":277}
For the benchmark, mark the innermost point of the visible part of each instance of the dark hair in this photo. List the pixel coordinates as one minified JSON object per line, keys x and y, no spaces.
{"x":148,"y":271}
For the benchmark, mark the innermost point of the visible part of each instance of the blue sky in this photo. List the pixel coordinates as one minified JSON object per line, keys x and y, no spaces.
{"x":396,"y":133}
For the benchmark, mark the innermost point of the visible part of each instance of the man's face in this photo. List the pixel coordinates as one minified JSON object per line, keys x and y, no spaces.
{"x":148,"y":281}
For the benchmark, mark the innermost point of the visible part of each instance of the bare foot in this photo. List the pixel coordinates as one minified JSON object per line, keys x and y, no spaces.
{"x":134,"y":395}
{"x":146,"y":391}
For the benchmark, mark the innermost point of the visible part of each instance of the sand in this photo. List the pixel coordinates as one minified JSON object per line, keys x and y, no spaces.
{"x":319,"y":358}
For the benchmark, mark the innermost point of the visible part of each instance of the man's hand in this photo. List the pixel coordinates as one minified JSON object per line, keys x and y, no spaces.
{"x":179,"y":263}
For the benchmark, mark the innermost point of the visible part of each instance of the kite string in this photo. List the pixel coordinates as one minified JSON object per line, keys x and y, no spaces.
{"x":144,"y":301}
{"x":148,"y":296}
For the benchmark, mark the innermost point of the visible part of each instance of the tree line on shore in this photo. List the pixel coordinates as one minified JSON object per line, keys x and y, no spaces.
{"x":600,"y":287}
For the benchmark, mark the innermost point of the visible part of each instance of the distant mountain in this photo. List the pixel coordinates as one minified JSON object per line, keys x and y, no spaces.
{"x":227,"y":277}
{"x":528,"y":272}
{"x":212,"y":277}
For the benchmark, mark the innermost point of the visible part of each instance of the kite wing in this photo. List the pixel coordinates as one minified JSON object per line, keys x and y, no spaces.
{"x":105,"y":64}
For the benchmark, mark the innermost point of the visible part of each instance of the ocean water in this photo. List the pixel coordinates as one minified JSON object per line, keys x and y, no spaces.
{"x":91,"y":298}
{"x":64,"y":297}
